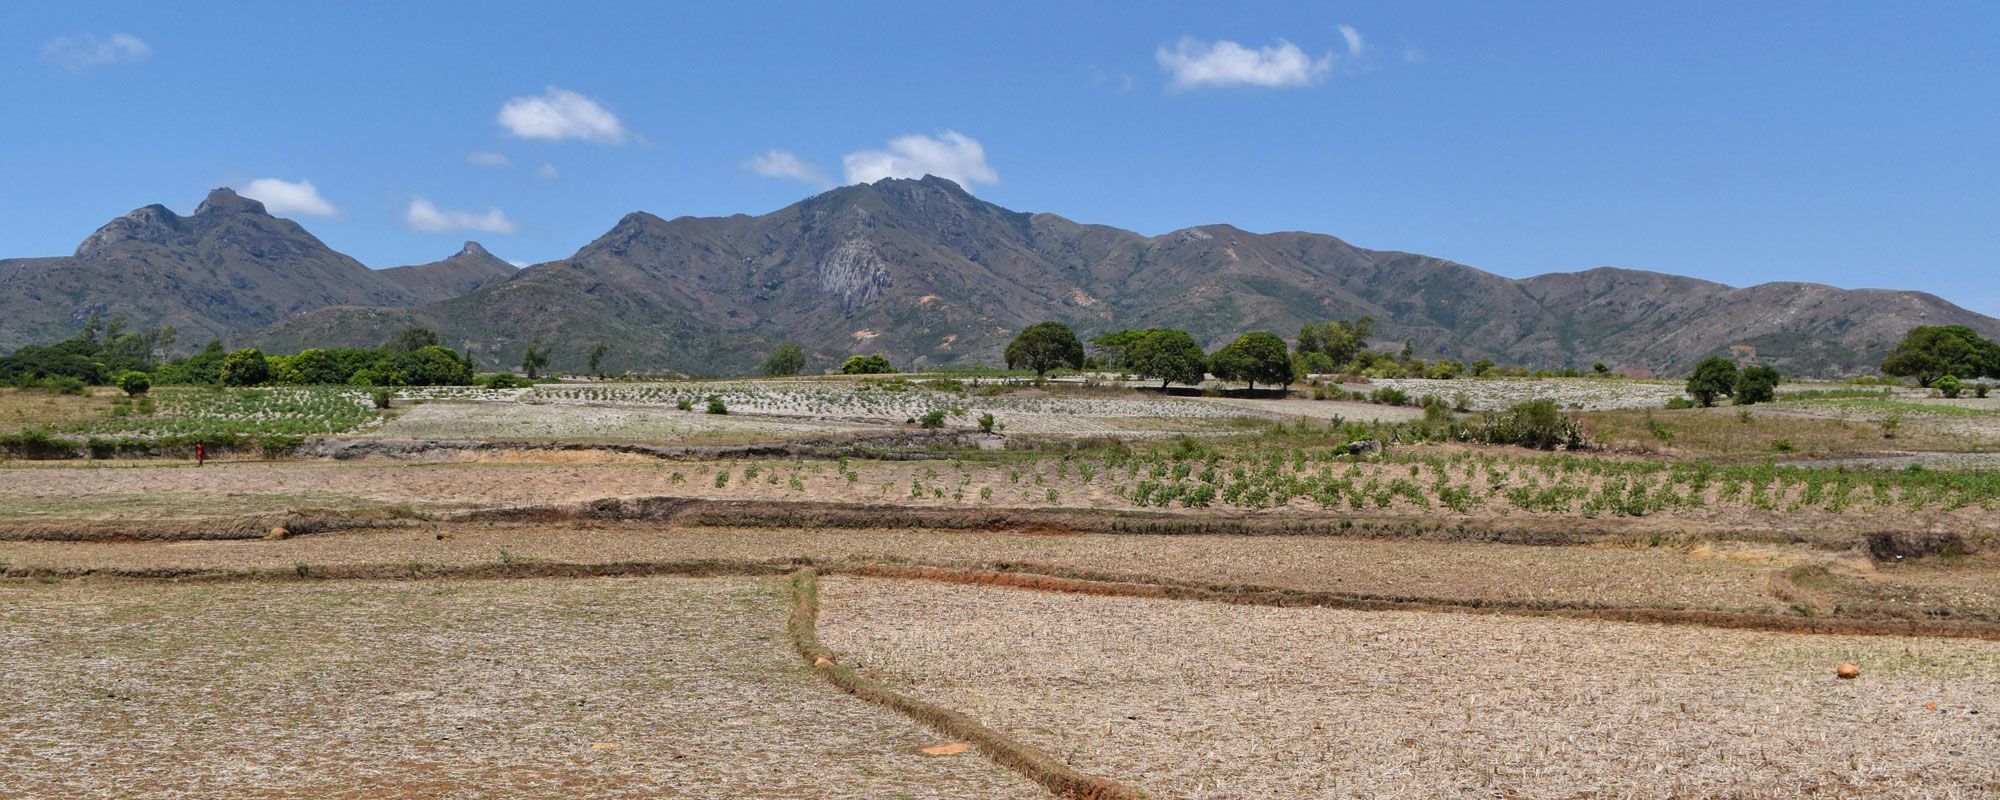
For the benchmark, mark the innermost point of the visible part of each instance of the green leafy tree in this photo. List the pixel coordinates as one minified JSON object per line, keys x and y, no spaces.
{"x":534,"y":359}
{"x":1044,"y":346}
{"x":1481,"y":367}
{"x":1114,"y":348}
{"x":1928,"y":353}
{"x":412,"y":339}
{"x":245,"y":367}
{"x":866,"y":365}
{"x":1600,"y":369}
{"x":1252,"y":358}
{"x":597,"y":352}
{"x":1168,"y":356}
{"x":1757,"y":385}
{"x":1713,"y":378}
{"x":785,"y":359}
{"x":1340,"y":340}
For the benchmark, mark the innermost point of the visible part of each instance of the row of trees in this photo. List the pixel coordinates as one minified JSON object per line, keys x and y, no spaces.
{"x":1935,"y":352}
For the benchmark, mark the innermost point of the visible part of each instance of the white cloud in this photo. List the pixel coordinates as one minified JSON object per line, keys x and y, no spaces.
{"x":1354,"y":43}
{"x":783,"y":164}
{"x":547,"y":172}
{"x":427,"y":217}
{"x":561,"y":114}
{"x":518,"y":263}
{"x":1194,"y":64}
{"x":950,"y":154}
{"x":488,"y":159}
{"x":285,"y":198}
{"x":83,"y":52}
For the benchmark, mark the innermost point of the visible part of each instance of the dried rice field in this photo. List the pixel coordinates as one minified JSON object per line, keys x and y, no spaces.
{"x":653,"y":687}
{"x":1201,"y":700}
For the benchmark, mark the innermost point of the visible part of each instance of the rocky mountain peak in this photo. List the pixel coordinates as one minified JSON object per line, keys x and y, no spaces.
{"x":473,"y":249}
{"x":154,"y":224}
{"x":226,"y":201}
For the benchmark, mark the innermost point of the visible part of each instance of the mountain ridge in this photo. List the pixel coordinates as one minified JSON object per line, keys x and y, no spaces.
{"x":923,"y":272}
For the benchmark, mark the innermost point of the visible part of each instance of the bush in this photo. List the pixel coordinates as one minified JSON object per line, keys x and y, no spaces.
{"x":1950,"y":386}
{"x":1539,"y":424}
{"x":135,"y":383}
{"x":932,"y":420}
{"x":382,"y":397}
{"x":785,"y":359}
{"x":866,"y":365}
{"x":1979,"y":390}
{"x":245,"y":367}
{"x":64,"y":384}
{"x":685,"y":404}
{"x":1679,"y":403}
{"x":1389,"y":396}
{"x":716,"y":406}
{"x":986,"y":423}
{"x":1756,"y":385}
{"x":504,"y":380}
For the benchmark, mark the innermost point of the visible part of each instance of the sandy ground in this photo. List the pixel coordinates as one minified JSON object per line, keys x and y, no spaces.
{"x":1200,"y":700}
{"x":510,"y":421}
{"x":1734,"y":579}
{"x":662,"y":687}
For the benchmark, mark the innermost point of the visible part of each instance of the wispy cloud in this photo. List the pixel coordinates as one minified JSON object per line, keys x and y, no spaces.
{"x":1355,"y":45}
{"x":84,"y":51}
{"x":559,"y":114}
{"x":488,"y":159}
{"x":425,"y":216}
{"x":547,"y":172}
{"x":1193,"y":64}
{"x":286,"y":198}
{"x":785,"y":165}
{"x":950,"y":154}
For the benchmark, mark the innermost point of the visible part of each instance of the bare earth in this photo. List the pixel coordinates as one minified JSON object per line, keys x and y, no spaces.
{"x":1200,"y":700}
{"x":655,"y":687}
{"x":1734,"y":579}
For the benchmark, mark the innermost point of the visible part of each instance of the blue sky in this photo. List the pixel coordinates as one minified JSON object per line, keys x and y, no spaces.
{"x":1852,"y":144}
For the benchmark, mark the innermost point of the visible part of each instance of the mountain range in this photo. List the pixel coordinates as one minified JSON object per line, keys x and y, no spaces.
{"x":926,"y":274}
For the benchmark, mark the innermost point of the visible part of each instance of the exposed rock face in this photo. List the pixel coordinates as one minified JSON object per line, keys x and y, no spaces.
{"x":853,"y":273}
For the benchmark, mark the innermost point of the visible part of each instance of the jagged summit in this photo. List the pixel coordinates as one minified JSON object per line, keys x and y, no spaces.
{"x":225,"y":200}
{"x":473,"y":249}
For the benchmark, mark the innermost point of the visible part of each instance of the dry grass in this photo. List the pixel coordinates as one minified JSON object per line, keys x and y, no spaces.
{"x":40,"y":408}
{"x":479,"y":689}
{"x":1200,"y":700}
{"x":1709,"y":578}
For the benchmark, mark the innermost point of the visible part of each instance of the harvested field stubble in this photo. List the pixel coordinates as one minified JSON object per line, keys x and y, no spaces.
{"x":640,"y":687}
{"x":1204,"y":700}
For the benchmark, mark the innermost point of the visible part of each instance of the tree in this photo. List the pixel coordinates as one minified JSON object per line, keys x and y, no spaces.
{"x":1481,"y":367}
{"x":866,"y":365}
{"x":1254,"y":357}
{"x":412,"y":339}
{"x":597,"y":352}
{"x":1757,"y":385}
{"x":1045,"y":346}
{"x":1340,"y":340}
{"x":1600,"y":369}
{"x":435,"y":365}
{"x":1928,"y":353}
{"x":785,"y":359}
{"x":534,"y":359}
{"x":1169,"y":356}
{"x":245,"y":367}
{"x":1714,"y":377}
{"x":1114,"y":348}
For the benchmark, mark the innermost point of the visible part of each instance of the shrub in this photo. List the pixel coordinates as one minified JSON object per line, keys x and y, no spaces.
{"x":1950,"y":386}
{"x":64,"y":384}
{"x":866,"y":365}
{"x":381,"y":397}
{"x":932,"y":420}
{"x":1389,"y":396}
{"x":716,"y":406}
{"x":1979,"y":390}
{"x":685,"y":404}
{"x":504,"y":380}
{"x":1539,"y":424}
{"x":1678,"y":403}
{"x":986,"y":423}
{"x":1782,"y":446}
{"x":1756,"y":385}
{"x":785,"y":359}
{"x":135,"y":383}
